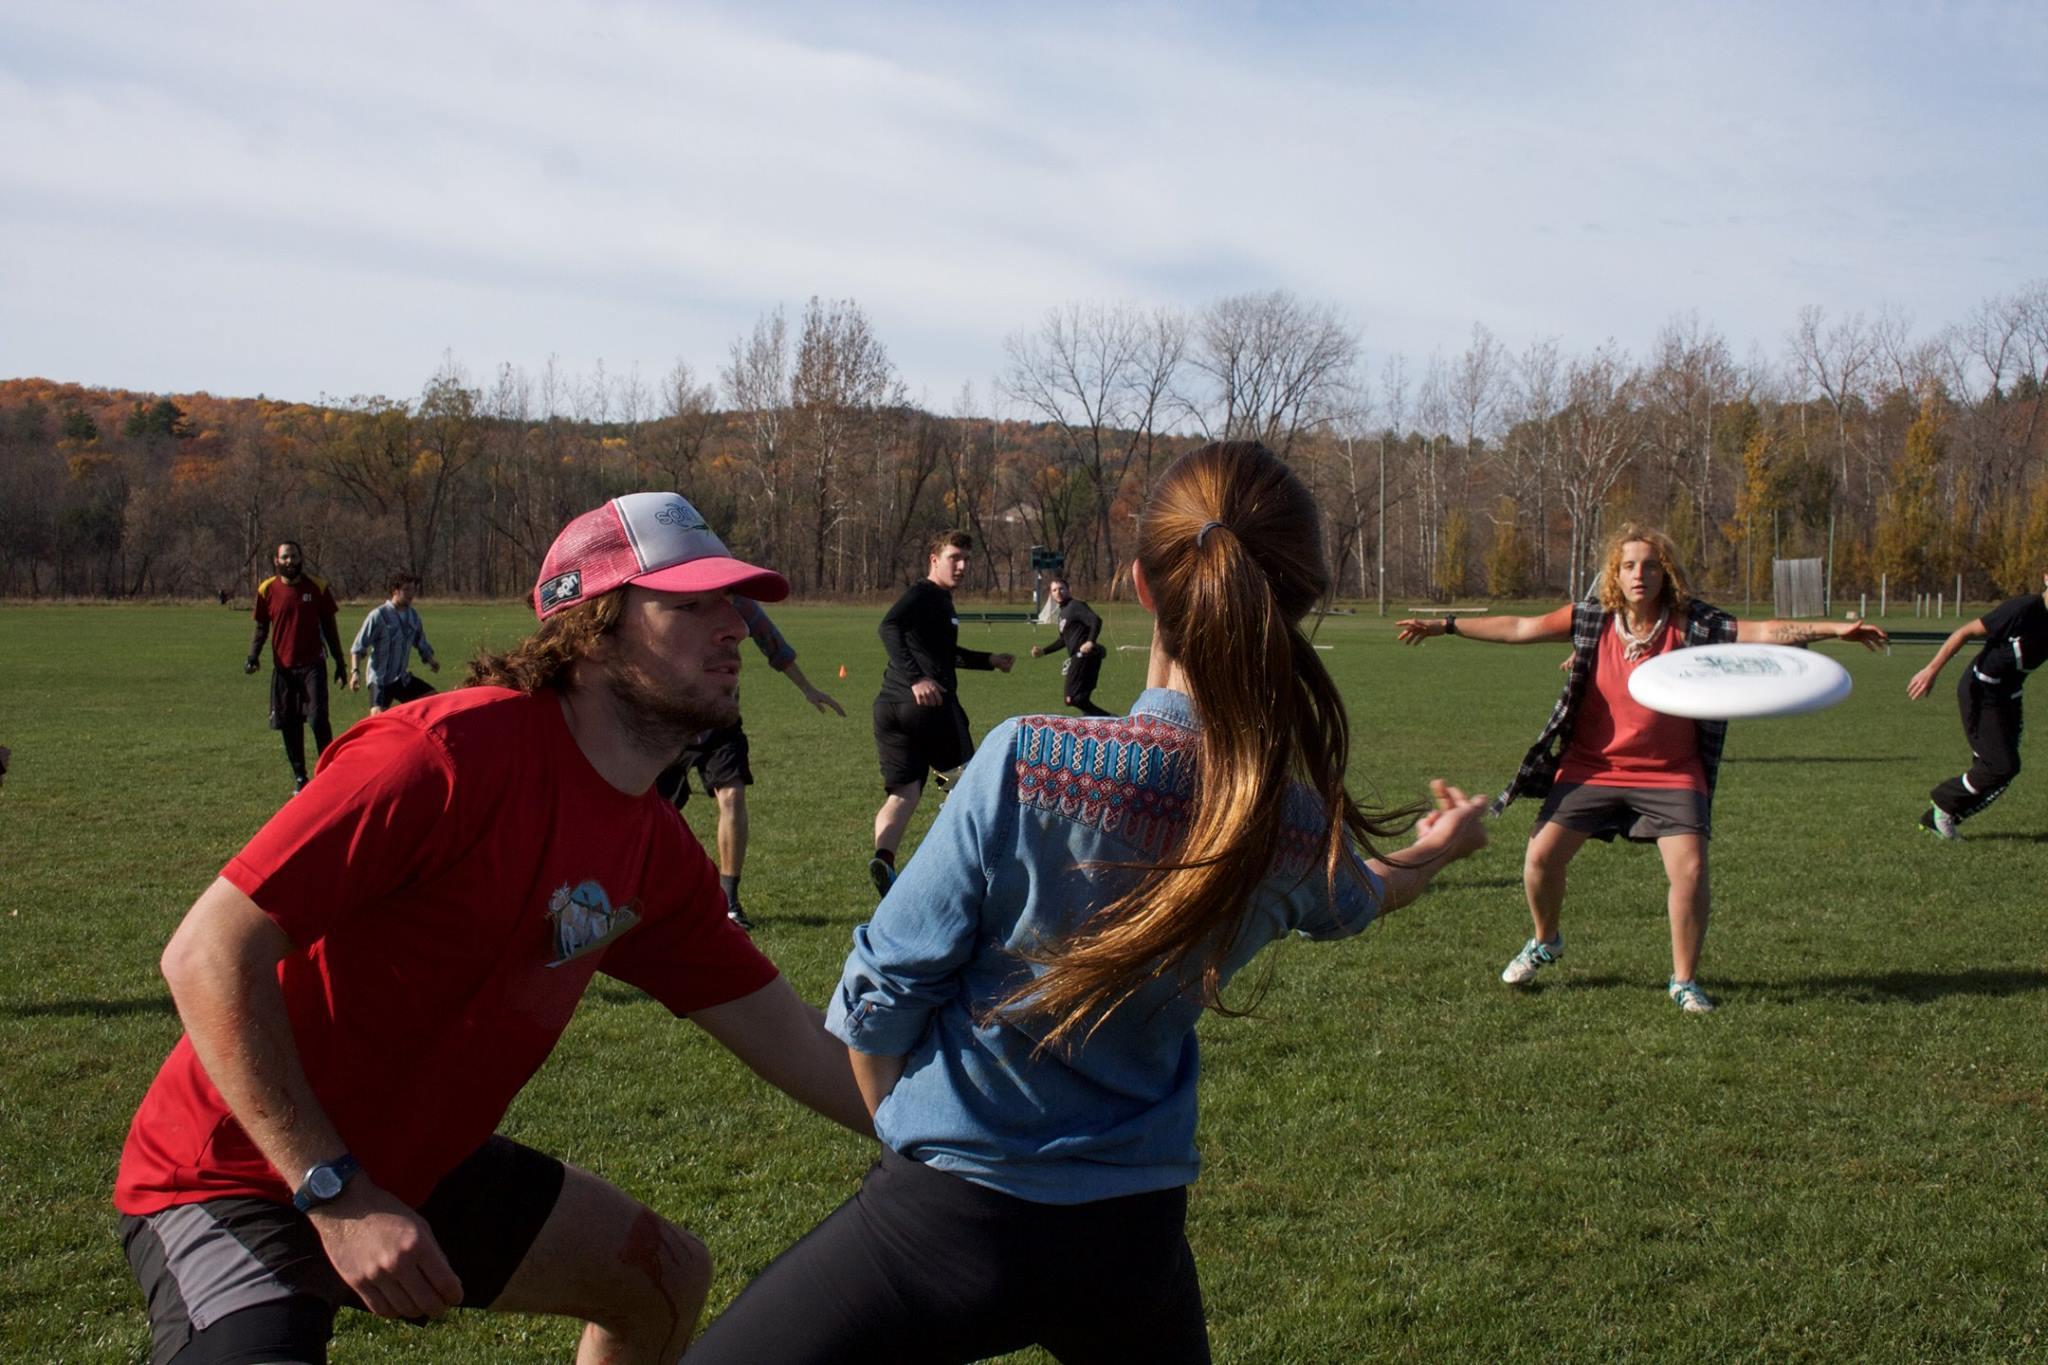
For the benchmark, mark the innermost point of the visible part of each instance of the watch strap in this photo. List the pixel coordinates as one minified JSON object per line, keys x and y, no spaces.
{"x":343,"y":1168}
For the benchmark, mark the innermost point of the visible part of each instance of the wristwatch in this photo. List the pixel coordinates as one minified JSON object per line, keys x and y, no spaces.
{"x":324,"y":1182}
{"x":1450,"y":625}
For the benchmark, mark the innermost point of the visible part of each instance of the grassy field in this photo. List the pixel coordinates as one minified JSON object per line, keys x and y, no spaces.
{"x":1406,"y":1160}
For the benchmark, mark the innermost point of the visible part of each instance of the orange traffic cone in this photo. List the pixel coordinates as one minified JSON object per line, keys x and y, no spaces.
{"x":842,"y":670}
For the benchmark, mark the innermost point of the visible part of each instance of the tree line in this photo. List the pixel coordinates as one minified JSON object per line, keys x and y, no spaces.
{"x":1898,"y":457}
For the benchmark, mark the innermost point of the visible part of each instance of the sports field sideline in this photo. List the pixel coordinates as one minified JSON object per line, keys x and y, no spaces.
{"x":1405,"y":1160}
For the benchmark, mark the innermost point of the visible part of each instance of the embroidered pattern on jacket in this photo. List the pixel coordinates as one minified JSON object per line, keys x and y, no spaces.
{"x":1134,"y":777}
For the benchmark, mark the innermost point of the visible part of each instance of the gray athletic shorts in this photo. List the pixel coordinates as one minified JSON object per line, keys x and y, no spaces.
{"x":1641,"y":815}
{"x":237,"y":1280}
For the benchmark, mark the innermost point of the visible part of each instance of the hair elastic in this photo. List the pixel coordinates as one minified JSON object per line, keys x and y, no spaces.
{"x":1203,"y":534}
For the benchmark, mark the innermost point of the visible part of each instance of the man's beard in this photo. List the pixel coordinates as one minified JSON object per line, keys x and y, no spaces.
{"x":664,"y":718}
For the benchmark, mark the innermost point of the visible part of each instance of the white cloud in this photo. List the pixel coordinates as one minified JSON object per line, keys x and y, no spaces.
{"x":306,"y":200}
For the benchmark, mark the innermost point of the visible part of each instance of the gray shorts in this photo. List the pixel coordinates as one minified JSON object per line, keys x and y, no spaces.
{"x":242,"y":1279}
{"x":1641,"y":815}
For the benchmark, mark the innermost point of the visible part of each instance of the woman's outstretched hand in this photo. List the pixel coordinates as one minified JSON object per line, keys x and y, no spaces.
{"x":1456,"y":828}
{"x":1415,"y":631}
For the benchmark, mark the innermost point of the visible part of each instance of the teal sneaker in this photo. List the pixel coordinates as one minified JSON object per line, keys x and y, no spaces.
{"x":1941,"y":824}
{"x":1689,"y":997}
{"x":1534,"y":957}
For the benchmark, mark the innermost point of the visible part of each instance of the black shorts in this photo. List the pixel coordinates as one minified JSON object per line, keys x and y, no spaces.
{"x":407,"y":688}
{"x":912,"y":740}
{"x":720,"y":759}
{"x":240,"y":1280}
{"x":298,"y":695}
{"x":1641,"y":815}
{"x":1083,"y":671}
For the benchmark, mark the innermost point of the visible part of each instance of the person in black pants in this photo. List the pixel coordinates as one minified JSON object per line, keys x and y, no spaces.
{"x":920,"y":726}
{"x":1080,"y":636}
{"x":2015,"y":635}
{"x":302,"y":609}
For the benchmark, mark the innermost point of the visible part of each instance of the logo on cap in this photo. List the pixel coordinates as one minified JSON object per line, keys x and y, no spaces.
{"x":563,"y":587}
{"x":680,"y":513}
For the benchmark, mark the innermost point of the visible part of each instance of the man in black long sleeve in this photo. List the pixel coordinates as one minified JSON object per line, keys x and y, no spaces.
{"x":1081,"y":637}
{"x":2015,"y":635}
{"x":919,"y":723}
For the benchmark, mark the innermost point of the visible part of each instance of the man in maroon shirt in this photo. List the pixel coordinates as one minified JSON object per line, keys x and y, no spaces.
{"x":297,"y":612}
{"x":374,"y":977}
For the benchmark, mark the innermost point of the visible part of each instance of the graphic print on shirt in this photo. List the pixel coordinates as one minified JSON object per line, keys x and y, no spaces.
{"x":584,"y":920}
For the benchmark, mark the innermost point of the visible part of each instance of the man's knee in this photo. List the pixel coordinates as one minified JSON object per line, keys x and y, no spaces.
{"x":663,"y":1275}
{"x":608,"y":1259}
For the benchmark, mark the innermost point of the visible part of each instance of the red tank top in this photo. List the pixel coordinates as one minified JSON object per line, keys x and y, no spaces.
{"x":1619,"y":742}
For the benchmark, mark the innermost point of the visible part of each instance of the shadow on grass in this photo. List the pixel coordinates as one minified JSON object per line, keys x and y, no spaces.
{"x":2013,"y":836}
{"x":96,"y":1009}
{"x":1476,"y":884}
{"x":1823,"y":758}
{"x":1908,"y":987}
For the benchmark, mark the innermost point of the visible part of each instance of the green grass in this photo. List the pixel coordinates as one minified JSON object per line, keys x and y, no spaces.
{"x":1405,"y":1159}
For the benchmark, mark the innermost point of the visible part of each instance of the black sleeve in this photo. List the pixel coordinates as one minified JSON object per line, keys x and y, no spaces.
{"x":1093,"y":622}
{"x":2005,"y":617}
{"x":973,"y":658}
{"x":256,"y":642}
{"x":903,"y":639}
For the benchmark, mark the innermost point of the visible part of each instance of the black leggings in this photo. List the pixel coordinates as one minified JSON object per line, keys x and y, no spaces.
{"x":922,"y":1266}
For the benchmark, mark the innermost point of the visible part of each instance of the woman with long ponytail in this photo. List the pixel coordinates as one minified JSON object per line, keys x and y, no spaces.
{"x":1021,"y":1011}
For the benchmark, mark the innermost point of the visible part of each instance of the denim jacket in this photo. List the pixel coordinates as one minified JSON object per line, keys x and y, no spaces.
{"x":1018,"y":855}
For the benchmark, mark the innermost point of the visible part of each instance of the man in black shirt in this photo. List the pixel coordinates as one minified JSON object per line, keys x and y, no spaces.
{"x":919,"y":724}
{"x":2016,"y":641}
{"x":1080,"y":636}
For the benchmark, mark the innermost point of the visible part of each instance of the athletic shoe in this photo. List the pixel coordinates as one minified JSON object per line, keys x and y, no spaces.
{"x":1690,"y":998}
{"x":1533,"y":958}
{"x":883,"y":873}
{"x":1941,"y":824}
{"x":299,"y":784}
{"x":739,"y":917}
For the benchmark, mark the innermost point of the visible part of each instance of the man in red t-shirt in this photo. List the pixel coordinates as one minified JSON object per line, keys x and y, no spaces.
{"x":376,"y":975}
{"x":297,"y":612}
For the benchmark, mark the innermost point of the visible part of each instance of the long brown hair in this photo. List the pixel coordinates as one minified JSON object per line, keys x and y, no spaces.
{"x":543,"y":658}
{"x":1676,"y":592}
{"x":1231,"y":548}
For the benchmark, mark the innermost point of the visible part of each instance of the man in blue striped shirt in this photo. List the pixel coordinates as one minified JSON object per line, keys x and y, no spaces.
{"x":390,"y":633}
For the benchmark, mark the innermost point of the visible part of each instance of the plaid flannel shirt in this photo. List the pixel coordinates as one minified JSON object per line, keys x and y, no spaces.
{"x":1704,"y":625}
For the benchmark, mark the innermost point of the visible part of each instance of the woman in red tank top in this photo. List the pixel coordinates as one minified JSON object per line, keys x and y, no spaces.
{"x":1609,"y":766}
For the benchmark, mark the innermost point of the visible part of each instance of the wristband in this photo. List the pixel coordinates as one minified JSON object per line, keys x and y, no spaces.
{"x":1450,"y":625}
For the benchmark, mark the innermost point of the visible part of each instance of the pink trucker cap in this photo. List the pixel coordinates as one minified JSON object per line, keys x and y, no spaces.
{"x":654,"y":539}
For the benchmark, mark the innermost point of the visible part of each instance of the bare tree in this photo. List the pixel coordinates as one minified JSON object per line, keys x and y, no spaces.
{"x":757,"y":385}
{"x":688,"y":412}
{"x":1837,"y":362}
{"x":1276,"y":368}
{"x":1600,"y":434}
{"x":841,"y":381}
{"x":1101,"y":375}
{"x":1690,"y":378}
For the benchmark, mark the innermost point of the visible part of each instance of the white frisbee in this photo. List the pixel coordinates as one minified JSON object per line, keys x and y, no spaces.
{"x":1737,"y":682}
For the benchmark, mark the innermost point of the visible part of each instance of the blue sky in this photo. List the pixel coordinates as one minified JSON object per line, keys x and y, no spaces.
{"x":299,"y":200}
